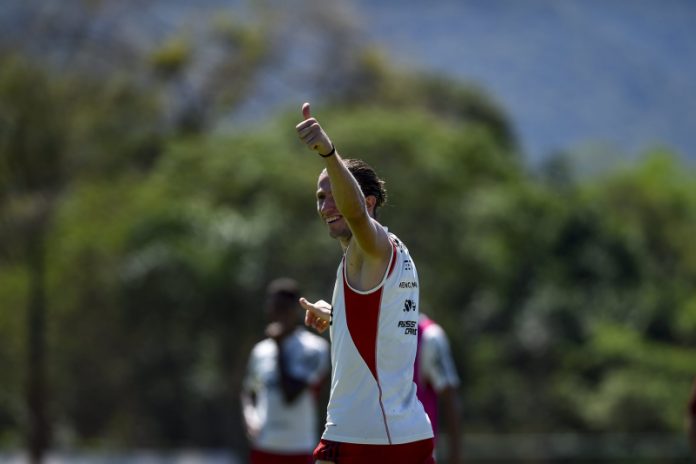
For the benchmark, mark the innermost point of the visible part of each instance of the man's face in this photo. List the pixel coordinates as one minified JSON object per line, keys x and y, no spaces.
{"x":326,"y":207}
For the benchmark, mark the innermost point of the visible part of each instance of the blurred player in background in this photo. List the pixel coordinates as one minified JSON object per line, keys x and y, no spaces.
{"x":437,"y":379}
{"x":373,"y":414}
{"x":281,"y":386}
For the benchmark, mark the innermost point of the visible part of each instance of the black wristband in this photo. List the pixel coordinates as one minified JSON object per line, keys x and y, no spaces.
{"x":333,"y":150}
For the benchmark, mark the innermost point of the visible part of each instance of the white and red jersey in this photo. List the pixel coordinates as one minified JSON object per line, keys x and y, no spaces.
{"x":373,"y":349}
{"x":435,"y":368}
{"x":287,"y":428}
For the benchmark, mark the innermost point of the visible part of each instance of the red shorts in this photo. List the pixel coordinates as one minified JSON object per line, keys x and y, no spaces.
{"x":417,"y":452}
{"x":263,"y":457}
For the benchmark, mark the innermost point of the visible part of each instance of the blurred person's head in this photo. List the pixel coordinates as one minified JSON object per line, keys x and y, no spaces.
{"x":282,"y":295}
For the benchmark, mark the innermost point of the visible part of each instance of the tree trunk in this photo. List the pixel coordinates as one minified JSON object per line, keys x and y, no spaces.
{"x":38,"y":426}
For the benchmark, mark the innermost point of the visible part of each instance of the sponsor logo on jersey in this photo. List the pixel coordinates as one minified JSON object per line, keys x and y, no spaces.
{"x":410,"y":327}
{"x":408,"y":284}
{"x":407,"y":265}
{"x":409,"y":305}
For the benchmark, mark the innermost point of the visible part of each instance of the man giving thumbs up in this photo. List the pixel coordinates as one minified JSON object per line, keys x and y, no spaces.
{"x":373,"y":413}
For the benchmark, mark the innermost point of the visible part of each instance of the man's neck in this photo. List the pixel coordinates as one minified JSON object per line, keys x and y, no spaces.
{"x":345,"y":242}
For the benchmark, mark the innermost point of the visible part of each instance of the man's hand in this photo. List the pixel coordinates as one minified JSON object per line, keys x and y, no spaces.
{"x":252,"y":431}
{"x":312,"y":134}
{"x":317,"y":315}
{"x":252,"y":423}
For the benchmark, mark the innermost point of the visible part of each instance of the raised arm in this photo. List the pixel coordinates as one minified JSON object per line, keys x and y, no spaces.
{"x":370,"y":236}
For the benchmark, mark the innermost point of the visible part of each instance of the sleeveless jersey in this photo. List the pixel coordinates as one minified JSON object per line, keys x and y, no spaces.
{"x":287,"y":427}
{"x":434,"y":368}
{"x":373,"y":348}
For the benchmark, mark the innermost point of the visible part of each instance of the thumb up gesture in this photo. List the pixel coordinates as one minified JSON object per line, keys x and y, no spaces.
{"x":311,"y":133}
{"x":317,"y":315}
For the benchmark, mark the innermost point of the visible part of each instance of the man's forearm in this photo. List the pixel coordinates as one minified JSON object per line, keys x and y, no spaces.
{"x":450,"y":401}
{"x":345,"y":189}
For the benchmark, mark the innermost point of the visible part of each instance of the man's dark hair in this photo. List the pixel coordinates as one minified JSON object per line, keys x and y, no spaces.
{"x":369,"y":181}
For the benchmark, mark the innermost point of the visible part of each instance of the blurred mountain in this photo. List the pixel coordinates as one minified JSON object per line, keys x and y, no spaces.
{"x":573,"y":75}
{"x":583,"y":76}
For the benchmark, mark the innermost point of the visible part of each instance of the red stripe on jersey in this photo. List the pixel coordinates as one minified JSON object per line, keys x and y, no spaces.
{"x":362,"y":319}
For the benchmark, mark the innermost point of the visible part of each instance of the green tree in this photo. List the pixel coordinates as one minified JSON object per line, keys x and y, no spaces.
{"x":42,"y":152}
{"x":33,"y":157}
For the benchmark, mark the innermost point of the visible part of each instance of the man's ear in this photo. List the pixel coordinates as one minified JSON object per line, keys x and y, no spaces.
{"x":370,"y":202}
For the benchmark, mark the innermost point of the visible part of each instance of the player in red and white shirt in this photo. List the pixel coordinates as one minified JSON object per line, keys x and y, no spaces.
{"x":438,"y":382}
{"x":280,"y":389}
{"x":373,"y":414}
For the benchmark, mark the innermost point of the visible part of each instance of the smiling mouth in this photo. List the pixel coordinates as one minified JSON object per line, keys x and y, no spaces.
{"x":332,"y":219}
